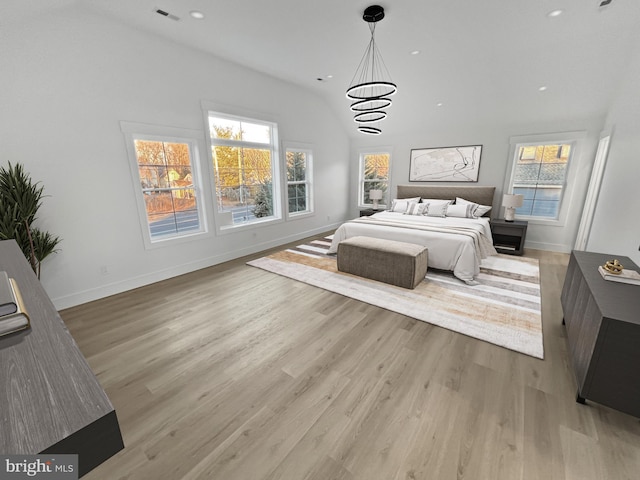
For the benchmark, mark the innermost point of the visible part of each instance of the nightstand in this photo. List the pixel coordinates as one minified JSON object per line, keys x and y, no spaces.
{"x":509,"y":237}
{"x":367,"y":212}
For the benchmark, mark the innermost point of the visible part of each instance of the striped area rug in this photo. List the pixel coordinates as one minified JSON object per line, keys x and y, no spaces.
{"x":503,"y":309}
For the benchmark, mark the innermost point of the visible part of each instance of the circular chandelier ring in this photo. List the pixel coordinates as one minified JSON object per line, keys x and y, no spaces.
{"x":376,"y":104}
{"x":377,"y":116}
{"x":352,"y":92}
{"x":370,"y":130}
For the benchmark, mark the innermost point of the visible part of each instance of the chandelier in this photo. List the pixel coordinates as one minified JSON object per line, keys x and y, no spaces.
{"x":371,"y":85}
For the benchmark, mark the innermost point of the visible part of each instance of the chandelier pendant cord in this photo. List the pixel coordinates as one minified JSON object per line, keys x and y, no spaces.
{"x":371,"y":84}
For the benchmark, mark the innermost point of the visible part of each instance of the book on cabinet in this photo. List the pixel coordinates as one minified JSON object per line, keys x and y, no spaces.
{"x":11,"y":299}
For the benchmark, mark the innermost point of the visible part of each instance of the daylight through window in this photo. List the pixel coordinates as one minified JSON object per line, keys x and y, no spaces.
{"x":539,"y":174}
{"x":244,"y":157}
{"x":166,"y":176}
{"x":299,"y":181}
{"x":374,"y":175}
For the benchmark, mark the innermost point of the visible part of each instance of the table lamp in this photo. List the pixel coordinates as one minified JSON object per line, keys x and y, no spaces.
{"x":375,"y":195}
{"x":511,"y":201}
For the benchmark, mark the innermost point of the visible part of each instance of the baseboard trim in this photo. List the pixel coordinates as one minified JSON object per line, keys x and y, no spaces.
{"x":114,"y":288}
{"x":550,"y":247}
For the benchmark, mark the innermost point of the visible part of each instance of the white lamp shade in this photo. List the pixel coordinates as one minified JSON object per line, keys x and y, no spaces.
{"x":512,"y":200}
{"x":375,"y":194}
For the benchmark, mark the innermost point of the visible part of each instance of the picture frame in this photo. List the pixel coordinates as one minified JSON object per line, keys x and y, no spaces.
{"x":445,"y":164}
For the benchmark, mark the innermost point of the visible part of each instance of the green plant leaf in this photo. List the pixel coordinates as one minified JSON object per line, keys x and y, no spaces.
{"x":21,"y":199}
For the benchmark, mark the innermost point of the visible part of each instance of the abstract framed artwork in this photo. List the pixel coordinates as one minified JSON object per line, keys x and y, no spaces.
{"x":445,"y":164}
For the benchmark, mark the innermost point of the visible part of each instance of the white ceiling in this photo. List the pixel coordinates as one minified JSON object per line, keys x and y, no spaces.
{"x":483,"y":60}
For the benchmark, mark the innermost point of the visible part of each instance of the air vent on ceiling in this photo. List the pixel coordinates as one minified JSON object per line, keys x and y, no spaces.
{"x":167,"y":14}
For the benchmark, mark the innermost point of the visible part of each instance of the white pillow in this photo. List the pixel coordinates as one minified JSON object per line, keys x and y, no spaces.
{"x":411,"y":199}
{"x":437,"y":209}
{"x":462,"y":210}
{"x":416,"y":208}
{"x":399,"y":206}
{"x":480,"y":209}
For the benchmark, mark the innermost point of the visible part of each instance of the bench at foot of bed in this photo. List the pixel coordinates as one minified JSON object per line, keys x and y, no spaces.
{"x":397,"y":263}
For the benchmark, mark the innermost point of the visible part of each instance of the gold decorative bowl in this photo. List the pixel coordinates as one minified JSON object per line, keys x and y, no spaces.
{"x":613,"y":266}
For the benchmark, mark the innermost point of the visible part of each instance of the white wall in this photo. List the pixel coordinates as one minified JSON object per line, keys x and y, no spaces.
{"x":615,"y":228}
{"x":494,"y":137}
{"x":70,"y":77}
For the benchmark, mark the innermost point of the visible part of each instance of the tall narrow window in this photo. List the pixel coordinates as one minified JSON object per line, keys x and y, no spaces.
{"x":374,"y":175}
{"x":244,"y":153}
{"x":540,"y":172}
{"x":299,"y":194}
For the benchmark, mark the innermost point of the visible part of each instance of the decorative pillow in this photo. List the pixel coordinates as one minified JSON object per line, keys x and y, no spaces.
{"x":437,"y":209}
{"x":462,"y":211}
{"x":411,"y":199}
{"x":416,"y":208}
{"x":480,"y":209}
{"x":399,"y":206}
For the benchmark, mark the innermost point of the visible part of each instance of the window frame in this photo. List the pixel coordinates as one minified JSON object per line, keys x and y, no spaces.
{"x":307,"y":149}
{"x":385,"y":150}
{"x":575,"y":139}
{"x":221,"y":219}
{"x":156,"y":133}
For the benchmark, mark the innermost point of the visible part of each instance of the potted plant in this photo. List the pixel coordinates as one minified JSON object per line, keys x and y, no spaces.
{"x":21,"y":199}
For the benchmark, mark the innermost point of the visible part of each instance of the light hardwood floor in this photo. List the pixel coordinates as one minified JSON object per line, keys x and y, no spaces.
{"x":234,"y":373}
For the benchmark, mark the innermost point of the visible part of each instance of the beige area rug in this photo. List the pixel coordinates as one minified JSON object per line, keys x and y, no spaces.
{"x":503,"y":309}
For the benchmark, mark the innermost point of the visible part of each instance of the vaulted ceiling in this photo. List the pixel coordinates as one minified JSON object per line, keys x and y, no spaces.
{"x":477,"y":61}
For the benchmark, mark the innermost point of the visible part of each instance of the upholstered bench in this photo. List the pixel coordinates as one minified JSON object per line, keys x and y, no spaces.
{"x":397,"y":263}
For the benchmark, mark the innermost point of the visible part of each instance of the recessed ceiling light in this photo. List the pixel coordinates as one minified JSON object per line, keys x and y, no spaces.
{"x":542,"y":88}
{"x":196,"y":14}
{"x":555,"y":13}
{"x":439,"y":104}
{"x":329,"y":76}
{"x":415,"y":52}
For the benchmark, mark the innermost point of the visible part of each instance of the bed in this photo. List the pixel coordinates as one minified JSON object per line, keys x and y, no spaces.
{"x":455,"y":242}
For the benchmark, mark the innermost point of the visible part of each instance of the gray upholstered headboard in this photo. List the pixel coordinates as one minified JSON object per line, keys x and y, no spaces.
{"x":477,"y":194}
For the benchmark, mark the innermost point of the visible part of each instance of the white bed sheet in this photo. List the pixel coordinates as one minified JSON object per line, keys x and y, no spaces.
{"x":457,"y":253}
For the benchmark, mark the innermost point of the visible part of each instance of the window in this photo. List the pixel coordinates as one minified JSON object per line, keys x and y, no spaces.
{"x":374,"y":175}
{"x":245,"y":161}
{"x":299,"y":180}
{"x":539,"y":173}
{"x":164,"y":168}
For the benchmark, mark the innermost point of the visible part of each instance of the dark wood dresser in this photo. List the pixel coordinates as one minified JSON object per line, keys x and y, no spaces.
{"x":603,"y":329}
{"x":50,"y":400}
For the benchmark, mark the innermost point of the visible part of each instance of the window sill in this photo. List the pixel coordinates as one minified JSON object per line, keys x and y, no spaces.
{"x":541,"y":221}
{"x":173,"y":239}
{"x":300,"y":215}
{"x":226,"y":229}
{"x":381,"y":207}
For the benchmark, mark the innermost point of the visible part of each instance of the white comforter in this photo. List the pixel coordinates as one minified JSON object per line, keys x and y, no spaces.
{"x":456,"y":244}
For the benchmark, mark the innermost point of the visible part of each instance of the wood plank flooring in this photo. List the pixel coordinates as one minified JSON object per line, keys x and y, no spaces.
{"x":234,"y":373}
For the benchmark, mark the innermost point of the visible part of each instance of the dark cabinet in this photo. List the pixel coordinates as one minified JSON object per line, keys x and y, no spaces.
{"x":50,"y":400}
{"x":367,"y":212}
{"x":509,"y":237}
{"x":602,"y":319}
